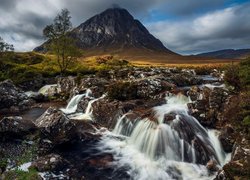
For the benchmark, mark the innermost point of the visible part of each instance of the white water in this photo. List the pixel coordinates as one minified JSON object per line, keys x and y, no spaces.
{"x":87,"y":115}
{"x":73,"y":103}
{"x":163,"y":150}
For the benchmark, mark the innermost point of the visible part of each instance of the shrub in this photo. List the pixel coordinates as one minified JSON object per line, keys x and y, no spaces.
{"x":232,"y":77}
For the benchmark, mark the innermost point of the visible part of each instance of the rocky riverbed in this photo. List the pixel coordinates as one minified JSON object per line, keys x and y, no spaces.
{"x":135,"y":123}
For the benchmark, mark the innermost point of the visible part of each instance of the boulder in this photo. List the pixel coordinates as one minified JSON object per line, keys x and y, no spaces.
{"x":106,"y":112}
{"x":239,"y":166}
{"x":212,"y":166}
{"x":226,"y":139}
{"x":15,"y":126}
{"x":13,"y":97}
{"x":66,"y":84}
{"x":194,"y":93}
{"x":56,"y":127}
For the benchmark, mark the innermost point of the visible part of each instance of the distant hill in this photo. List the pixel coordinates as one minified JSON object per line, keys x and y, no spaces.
{"x":227,"y":54}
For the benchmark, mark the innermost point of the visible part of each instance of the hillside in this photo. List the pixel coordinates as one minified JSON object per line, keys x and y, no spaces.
{"x":227,"y":54}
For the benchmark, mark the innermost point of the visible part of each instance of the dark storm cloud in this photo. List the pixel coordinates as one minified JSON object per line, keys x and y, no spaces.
{"x":7,"y":4}
{"x":198,"y":27}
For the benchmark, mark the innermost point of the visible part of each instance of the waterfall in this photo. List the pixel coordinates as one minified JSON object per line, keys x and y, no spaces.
{"x":74,"y":101}
{"x":72,"y":105}
{"x":87,"y":115}
{"x":163,"y":148}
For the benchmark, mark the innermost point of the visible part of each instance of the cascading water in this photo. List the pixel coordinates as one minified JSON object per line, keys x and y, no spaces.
{"x":73,"y":103}
{"x":87,"y":115}
{"x":164,"y":149}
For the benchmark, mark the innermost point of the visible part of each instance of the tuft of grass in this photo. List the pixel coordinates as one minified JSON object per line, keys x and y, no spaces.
{"x":32,"y":174}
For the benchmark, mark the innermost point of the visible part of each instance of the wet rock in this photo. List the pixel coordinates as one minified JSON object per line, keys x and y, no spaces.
{"x":212,"y":166}
{"x":56,"y":127}
{"x":13,"y":97}
{"x":169,"y":117}
{"x":208,"y":107}
{"x":239,"y":166}
{"x":194,"y":93}
{"x":106,"y":112}
{"x":226,"y":138}
{"x":50,"y":162}
{"x":15,"y":126}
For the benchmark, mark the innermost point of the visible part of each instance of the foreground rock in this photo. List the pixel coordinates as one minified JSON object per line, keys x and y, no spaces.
{"x":207,"y":105}
{"x":11,"y":127}
{"x":13,"y":98}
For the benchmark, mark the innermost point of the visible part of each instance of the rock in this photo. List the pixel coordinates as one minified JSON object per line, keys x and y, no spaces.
{"x":56,"y":127}
{"x":106,"y":112}
{"x":227,"y":140}
{"x":97,"y":85}
{"x":217,"y":98}
{"x":50,"y":162}
{"x":185,"y":79}
{"x":194,"y":93}
{"x":15,"y":126}
{"x":212,"y":166}
{"x":147,"y":88}
{"x":169,"y":117}
{"x":66,"y":84}
{"x":208,"y":107}
{"x":38,"y":97}
{"x":11,"y":96}
{"x":239,"y":166}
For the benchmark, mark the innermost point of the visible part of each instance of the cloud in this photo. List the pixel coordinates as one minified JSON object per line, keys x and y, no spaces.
{"x":22,"y":22}
{"x":226,"y":28}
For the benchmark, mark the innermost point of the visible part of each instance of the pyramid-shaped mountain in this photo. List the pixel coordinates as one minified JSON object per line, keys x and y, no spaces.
{"x":115,"y":31}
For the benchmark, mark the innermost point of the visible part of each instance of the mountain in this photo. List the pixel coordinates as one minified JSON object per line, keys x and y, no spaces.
{"x":115,"y":31}
{"x":227,"y":54}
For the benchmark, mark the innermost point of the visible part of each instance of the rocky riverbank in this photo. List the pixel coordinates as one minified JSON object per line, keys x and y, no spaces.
{"x":59,"y":144}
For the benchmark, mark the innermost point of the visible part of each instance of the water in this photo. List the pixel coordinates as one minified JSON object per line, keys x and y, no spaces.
{"x":87,"y":115}
{"x":176,"y":149}
{"x":71,"y":108}
{"x":73,"y":103}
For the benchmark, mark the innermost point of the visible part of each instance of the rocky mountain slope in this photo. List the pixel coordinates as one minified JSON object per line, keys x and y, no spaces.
{"x":115,"y":31}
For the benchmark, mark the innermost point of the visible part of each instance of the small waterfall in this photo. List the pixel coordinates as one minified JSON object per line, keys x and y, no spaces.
{"x":164,"y":149}
{"x":87,"y":115}
{"x":73,"y":103}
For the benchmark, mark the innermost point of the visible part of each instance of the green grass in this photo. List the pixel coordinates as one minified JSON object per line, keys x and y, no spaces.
{"x":16,"y":174}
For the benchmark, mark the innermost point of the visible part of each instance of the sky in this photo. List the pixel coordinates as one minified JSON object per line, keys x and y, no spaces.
{"x":184,"y":26}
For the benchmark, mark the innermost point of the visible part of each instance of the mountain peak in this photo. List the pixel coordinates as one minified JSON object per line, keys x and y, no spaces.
{"x":115,"y":28}
{"x":116,"y":31}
